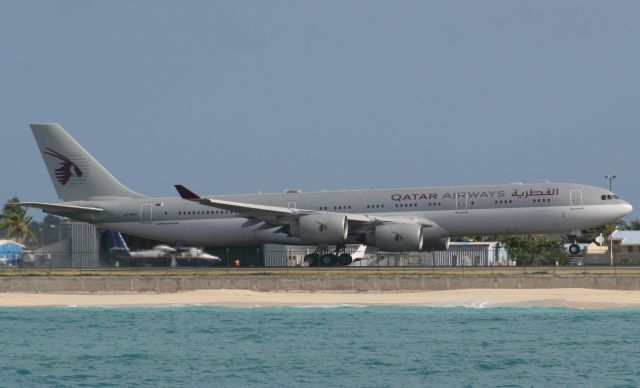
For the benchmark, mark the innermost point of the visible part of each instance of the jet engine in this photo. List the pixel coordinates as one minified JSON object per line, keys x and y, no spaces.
{"x":397,"y":237}
{"x":321,"y":228}
{"x":438,"y":244}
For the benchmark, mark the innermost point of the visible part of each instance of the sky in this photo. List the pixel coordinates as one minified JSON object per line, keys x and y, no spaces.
{"x":244,"y":96}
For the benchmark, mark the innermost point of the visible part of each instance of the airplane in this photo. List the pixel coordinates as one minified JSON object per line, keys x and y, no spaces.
{"x":160,"y":254}
{"x":192,"y":256}
{"x":118,"y":245}
{"x":408,"y":219}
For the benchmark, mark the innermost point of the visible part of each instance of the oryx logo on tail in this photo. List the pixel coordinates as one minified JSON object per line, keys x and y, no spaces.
{"x":67,"y":167}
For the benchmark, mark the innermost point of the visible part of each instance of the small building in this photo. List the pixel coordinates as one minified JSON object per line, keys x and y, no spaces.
{"x":626,"y":250}
{"x":79,"y":248}
{"x":10,"y":252}
{"x":626,"y":241}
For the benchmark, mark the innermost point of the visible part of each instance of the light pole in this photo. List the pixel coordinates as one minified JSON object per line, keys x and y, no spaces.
{"x":610,"y":178}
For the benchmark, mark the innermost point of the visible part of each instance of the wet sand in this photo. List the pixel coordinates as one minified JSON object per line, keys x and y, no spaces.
{"x":564,"y":297}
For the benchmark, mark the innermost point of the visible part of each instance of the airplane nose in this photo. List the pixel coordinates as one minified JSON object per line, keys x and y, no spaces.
{"x":625,"y":209}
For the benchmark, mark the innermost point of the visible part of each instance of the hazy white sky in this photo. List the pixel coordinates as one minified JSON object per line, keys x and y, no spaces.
{"x":241,"y":96}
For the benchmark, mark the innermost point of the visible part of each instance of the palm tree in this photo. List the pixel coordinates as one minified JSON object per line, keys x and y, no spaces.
{"x":16,"y":222}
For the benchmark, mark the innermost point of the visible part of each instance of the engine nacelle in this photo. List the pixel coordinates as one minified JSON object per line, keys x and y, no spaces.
{"x":397,"y":237}
{"x":321,"y":228}
{"x":439,"y":244}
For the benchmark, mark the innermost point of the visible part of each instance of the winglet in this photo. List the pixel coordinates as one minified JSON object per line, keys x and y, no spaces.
{"x":186,"y":193}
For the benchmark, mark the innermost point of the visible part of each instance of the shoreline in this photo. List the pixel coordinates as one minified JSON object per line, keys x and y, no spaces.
{"x":479,"y":298}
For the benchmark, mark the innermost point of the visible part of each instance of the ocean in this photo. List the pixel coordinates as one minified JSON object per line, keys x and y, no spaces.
{"x":332,"y":346}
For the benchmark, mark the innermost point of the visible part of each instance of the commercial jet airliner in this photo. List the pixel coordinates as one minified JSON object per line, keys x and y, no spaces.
{"x":413,"y":219}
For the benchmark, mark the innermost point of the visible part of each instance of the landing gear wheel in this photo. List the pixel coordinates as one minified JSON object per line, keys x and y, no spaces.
{"x":574,"y":249}
{"x":345,"y":259}
{"x":329,"y":260}
{"x":312,"y":258}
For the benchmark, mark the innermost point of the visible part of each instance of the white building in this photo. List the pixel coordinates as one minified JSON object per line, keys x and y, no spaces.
{"x":626,"y":241}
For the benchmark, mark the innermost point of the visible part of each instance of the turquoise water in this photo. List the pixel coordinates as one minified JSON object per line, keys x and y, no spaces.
{"x":345,"y":346}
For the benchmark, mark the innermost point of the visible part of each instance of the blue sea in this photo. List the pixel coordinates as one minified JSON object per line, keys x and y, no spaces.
{"x":341,"y":346}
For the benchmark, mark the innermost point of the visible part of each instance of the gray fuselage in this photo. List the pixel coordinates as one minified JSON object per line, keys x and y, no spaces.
{"x":473,"y":210}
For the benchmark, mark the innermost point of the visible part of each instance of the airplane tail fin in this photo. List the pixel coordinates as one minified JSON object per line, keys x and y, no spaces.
{"x":76,"y":175}
{"x":116,"y":243}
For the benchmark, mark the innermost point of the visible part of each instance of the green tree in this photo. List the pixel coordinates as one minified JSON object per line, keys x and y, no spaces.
{"x":539,"y":251}
{"x":589,"y":235}
{"x":15,"y":222}
{"x":519,"y":249}
{"x":547,"y":252}
{"x":635,"y":224}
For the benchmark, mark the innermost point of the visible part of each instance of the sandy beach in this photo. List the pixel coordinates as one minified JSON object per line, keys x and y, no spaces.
{"x":565,"y":297}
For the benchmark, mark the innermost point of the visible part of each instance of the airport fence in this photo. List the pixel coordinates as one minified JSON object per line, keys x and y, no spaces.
{"x":258,"y":258}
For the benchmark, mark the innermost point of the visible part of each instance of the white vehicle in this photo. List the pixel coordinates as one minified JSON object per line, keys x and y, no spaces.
{"x":364,"y":256}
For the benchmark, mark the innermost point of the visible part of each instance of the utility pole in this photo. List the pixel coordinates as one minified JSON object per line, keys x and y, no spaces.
{"x":611,"y":249}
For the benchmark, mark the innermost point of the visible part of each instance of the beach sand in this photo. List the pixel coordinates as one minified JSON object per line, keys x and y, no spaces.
{"x":563,"y":297}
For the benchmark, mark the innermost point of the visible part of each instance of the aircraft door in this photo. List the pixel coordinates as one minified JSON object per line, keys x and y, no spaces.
{"x":461,"y":203}
{"x":576,"y":199}
{"x":145,"y":213}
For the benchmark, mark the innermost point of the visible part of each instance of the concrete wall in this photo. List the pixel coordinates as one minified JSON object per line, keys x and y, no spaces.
{"x":605,"y":259}
{"x":347,"y":283}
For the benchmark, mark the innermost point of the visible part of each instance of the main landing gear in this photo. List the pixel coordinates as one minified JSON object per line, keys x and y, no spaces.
{"x":326,"y":258}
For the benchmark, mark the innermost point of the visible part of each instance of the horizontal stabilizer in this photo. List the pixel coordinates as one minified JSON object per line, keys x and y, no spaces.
{"x":58,"y":208}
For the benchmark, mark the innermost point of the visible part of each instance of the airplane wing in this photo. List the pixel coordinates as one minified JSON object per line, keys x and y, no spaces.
{"x":280,"y":216}
{"x":59,"y":208}
{"x":261,"y":212}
